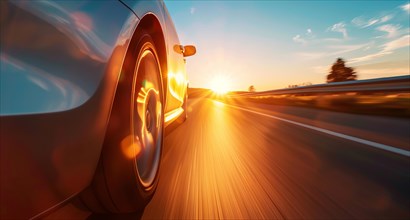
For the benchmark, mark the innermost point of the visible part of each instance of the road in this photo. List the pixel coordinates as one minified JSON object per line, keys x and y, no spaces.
{"x":230,"y":162}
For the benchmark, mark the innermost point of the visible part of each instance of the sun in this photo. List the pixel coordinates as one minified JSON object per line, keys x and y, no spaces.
{"x":220,"y":84}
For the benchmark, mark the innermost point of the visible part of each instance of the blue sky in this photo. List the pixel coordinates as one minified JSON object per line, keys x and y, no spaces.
{"x":273,"y":44}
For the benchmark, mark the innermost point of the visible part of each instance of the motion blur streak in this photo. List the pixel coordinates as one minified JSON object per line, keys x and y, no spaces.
{"x":235,"y":164}
{"x":351,"y":138}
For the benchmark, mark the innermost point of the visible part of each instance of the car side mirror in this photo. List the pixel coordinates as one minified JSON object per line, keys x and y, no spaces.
{"x":189,"y":50}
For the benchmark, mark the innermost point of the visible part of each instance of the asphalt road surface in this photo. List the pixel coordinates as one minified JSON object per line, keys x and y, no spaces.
{"x":250,"y":162}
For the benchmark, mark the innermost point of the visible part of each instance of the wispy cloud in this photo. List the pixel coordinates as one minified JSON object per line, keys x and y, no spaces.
{"x":305,"y":38}
{"x":343,"y":49}
{"x":406,"y":8}
{"x":299,"y":39}
{"x":370,"y":56}
{"x":386,"y":18}
{"x":391,"y":30}
{"x":334,"y":50}
{"x":387,"y":48}
{"x":309,"y":33}
{"x":192,"y":10}
{"x":398,"y":43}
{"x":361,"y":22}
{"x":377,"y":47}
{"x":358,"y":21}
{"x":339,"y":27}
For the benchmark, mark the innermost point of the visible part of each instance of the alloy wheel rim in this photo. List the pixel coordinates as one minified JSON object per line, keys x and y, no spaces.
{"x":148,"y":117}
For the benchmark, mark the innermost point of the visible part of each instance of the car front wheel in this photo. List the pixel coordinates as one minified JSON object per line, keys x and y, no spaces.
{"x":127,"y":174}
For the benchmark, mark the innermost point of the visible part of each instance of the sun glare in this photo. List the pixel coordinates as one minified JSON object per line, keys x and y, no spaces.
{"x":220,"y":85}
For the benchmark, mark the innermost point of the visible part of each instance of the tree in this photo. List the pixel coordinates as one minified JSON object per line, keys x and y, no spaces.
{"x":339,"y":72}
{"x":251,"y":88}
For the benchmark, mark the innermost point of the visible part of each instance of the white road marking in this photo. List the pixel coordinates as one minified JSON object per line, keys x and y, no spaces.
{"x":348,"y":137}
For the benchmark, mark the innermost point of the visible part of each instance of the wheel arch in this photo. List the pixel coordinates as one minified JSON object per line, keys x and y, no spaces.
{"x":151,"y":24}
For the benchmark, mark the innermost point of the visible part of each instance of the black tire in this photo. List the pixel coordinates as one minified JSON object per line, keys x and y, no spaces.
{"x":127,"y":175}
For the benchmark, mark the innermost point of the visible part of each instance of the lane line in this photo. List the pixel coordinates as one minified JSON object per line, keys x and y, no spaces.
{"x":348,"y":137}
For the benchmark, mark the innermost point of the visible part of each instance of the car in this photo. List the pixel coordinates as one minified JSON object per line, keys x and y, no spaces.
{"x":87,"y":89}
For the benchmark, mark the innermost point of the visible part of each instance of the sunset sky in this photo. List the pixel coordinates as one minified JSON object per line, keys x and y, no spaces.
{"x":273,"y":44}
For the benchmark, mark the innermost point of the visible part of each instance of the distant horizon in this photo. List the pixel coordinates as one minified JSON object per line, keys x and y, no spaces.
{"x":243,"y":43}
{"x":408,"y":75}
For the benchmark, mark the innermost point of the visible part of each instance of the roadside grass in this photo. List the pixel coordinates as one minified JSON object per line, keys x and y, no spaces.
{"x":386,"y":104}
{"x":395,"y":104}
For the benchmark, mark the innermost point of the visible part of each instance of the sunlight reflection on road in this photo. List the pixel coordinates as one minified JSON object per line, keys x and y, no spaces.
{"x":224,"y":163}
{"x":211,"y":179}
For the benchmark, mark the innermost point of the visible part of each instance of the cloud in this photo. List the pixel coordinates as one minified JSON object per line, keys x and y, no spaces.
{"x":371,"y":22}
{"x":307,"y":36}
{"x":406,"y":8}
{"x":387,"y":49}
{"x":342,"y":49}
{"x":386,"y":18}
{"x":299,"y":39}
{"x":361,"y":22}
{"x":339,"y":27}
{"x":392,"y":30}
{"x":309,"y":33}
{"x":334,"y":51}
{"x":192,"y":10}
{"x":398,"y":43}
{"x":370,"y":56}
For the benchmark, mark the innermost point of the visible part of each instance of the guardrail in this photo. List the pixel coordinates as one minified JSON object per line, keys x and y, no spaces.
{"x":387,"y":84}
